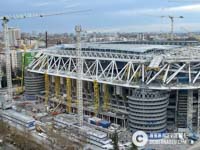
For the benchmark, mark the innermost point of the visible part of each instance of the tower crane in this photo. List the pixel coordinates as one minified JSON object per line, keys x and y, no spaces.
{"x":79,"y":68}
{"x":5,"y":20}
{"x":172,"y":24}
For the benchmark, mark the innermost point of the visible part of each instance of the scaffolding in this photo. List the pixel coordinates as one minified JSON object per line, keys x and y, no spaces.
{"x":46,"y":88}
{"x":69,"y":94}
{"x":57,"y":86}
{"x":106,"y":97}
{"x":96,"y":97}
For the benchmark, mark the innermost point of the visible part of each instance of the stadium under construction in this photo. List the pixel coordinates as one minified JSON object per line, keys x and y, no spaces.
{"x":151,"y":86}
{"x":147,"y":87}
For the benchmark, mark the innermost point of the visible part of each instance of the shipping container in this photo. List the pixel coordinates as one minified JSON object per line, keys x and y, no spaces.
{"x":104,"y":123}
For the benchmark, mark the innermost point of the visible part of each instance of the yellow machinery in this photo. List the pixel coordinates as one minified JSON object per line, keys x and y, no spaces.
{"x":46,"y":88}
{"x":137,"y":76}
{"x":20,"y":88}
{"x":57,"y":87}
{"x":69,"y":94}
{"x":96,"y":97}
{"x":106,"y":97}
{"x":23,"y":67}
{"x":127,"y":71}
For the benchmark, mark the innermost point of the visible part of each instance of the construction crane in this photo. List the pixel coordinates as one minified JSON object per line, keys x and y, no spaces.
{"x":5,"y":20}
{"x":79,"y":69}
{"x":7,"y":52}
{"x":172,"y":24}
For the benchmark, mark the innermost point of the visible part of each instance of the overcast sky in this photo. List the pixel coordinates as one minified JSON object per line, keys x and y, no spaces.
{"x":105,"y":15}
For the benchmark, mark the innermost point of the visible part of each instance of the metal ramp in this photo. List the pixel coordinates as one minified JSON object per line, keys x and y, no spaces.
{"x":154,"y":64}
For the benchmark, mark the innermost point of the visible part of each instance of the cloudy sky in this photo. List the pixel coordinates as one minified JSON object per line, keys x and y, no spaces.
{"x":105,"y":15}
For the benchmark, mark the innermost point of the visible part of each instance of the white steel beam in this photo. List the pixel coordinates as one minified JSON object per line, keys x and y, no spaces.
{"x":104,"y":67}
{"x":175,"y":73}
{"x":166,"y":74}
{"x":157,"y":74}
{"x":196,"y":77}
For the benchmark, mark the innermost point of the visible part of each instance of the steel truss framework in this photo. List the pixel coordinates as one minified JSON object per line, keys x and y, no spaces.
{"x":173,"y":71}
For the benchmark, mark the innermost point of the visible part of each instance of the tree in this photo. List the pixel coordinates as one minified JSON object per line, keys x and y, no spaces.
{"x":115,"y":141}
{"x":4,"y":129}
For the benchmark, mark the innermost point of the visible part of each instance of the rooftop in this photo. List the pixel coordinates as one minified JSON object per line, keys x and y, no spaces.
{"x":18,"y":115}
{"x":138,"y":48}
{"x":145,"y":51}
{"x":67,"y":118}
{"x":94,"y":132}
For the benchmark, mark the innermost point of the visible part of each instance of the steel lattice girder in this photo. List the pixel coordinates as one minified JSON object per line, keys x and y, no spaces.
{"x":121,"y":69}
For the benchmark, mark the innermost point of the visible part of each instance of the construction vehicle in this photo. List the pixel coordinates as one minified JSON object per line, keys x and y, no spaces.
{"x":39,"y":129}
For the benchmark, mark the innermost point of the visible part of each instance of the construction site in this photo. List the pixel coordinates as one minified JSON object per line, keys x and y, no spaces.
{"x":83,"y":94}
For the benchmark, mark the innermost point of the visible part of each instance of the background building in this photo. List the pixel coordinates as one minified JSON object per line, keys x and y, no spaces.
{"x":14,"y":36}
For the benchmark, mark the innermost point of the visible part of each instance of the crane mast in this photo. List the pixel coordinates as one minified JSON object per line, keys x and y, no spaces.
{"x":8,"y":64}
{"x":172,"y":27}
{"x":79,"y":70}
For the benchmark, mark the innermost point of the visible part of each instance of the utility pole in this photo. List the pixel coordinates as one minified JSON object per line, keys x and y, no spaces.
{"x":172,"y":27}
{"x":46,"y":39}
{"x":79,"y":70}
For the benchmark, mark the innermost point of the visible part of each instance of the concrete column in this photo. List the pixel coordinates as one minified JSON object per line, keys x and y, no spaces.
{"x":198,"y":112}
{"x":0,"y":81}
{"x":176,"y":110}
{"x":189,"y":108}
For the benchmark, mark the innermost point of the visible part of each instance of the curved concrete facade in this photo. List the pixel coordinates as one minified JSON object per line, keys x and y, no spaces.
{"x":148,"y":110}
{"x":34,"y":84}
